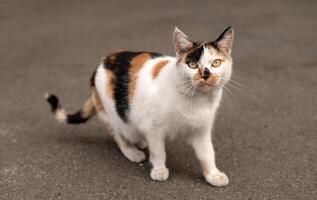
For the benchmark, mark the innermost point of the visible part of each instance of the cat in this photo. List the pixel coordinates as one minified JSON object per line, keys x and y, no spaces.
{"x":147,"y":97}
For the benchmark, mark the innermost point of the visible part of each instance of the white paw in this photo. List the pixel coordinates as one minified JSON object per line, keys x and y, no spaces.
{"x":159,"y":174}
{"x":218,"y":179}
{"x":135,"y":155}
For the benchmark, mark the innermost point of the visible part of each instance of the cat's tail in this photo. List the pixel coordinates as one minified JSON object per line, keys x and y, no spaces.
{"x":83,"y":115}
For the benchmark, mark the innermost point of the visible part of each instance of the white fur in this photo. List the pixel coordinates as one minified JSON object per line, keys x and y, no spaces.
{"x":60,"y":115}
{"x":161,"y":108}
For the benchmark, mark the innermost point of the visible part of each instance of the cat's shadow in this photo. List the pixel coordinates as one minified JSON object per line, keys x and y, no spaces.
{"x":101,"y":146}
{"x":86,"y":140}
{"x":104,"y":147}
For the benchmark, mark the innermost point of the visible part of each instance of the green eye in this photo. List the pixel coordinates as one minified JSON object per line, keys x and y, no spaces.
{"x":192,"y":65}
{"x":216,"y":63}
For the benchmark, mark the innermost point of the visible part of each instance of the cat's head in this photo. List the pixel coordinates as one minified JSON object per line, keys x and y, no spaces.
{"x":206,"y":65}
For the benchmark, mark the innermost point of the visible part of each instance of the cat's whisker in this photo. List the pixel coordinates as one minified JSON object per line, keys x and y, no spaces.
{"x":236,"y":81}
{"x":237,"y":77}
{"x":240,"y":82}
{"x":229,"y":92}
{"x":188,"y":90}
{"x":184,"y":81}
{"x":233,"y":82}
{"x":235,"y":87}
{"x":184,"y":87}
{"x":193,"y":92}
{"x":185,"y":84}
{"x":227,"y":99}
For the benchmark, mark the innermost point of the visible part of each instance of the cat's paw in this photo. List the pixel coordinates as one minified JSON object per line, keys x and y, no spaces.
{"x":218,"y":179}
{"x":135,"y":155}
{"x":159,"y":174}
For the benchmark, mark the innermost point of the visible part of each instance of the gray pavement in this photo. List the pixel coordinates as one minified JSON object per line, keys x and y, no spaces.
{"x":265,"y":138}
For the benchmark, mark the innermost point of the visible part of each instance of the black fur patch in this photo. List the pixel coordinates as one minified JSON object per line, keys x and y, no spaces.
{"x":119,"y":64}
{"x":53,"y":101}
{"x":92,"y":79}
{"x":195,"y":54}
{"x":76,"y":118}
{"x":223,"y":34}
{"x":213,"y":45}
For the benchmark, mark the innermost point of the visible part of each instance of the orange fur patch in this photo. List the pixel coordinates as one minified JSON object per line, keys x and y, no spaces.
{"x":198,"y":75}
{"x":88,"y":108}
{"x":157,"y":68}
{"x":204,"y":167}
{"x":109,"y":87}
{"x":213,"y":78}
{"x":98,"y":105}
{"x":135,"y":65}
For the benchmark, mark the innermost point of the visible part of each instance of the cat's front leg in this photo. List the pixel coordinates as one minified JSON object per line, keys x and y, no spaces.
{"x":156,"y":144}
{"x":204,"y":150}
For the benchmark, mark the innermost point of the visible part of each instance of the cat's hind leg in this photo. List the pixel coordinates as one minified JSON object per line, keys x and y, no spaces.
{"x":129,"y":150}
{"x":125,"y":146}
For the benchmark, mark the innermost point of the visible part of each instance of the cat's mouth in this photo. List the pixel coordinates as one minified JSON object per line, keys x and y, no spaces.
{"x":206,"y":86}
{"x":210,"y":83}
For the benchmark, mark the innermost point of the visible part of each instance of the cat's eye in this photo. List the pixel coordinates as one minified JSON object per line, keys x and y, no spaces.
{"x":192,"y":65}
{"x":216,"y":63}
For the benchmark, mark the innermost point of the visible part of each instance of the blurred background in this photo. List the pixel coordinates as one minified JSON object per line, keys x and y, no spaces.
{"x":265,"y":134}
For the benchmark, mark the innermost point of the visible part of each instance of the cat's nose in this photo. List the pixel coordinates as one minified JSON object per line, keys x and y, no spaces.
{"x":206,"y":73}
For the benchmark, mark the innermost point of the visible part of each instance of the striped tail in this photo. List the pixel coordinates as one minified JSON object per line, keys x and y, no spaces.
{"x":83,"y":115}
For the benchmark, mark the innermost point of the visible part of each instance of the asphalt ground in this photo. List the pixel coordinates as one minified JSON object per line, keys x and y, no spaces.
{"x":265,"y":137}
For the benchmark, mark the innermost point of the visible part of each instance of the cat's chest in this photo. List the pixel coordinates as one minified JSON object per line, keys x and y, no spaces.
{"x":185,"y":115}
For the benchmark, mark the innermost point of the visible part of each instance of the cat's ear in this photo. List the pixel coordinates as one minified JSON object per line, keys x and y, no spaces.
{"x":181,"y":41}
{"x":225,"y":40}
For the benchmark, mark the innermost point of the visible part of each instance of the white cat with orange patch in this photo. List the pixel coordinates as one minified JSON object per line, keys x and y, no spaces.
{"x":147,"y":98}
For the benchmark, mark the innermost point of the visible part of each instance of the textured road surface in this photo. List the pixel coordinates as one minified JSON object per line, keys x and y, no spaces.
{"x":265,"y":138}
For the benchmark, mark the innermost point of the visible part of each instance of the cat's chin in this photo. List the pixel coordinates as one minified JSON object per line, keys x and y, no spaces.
{"x":207,"y":87}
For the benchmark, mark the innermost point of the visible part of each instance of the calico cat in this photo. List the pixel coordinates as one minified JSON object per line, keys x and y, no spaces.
{"x":147,"y":97}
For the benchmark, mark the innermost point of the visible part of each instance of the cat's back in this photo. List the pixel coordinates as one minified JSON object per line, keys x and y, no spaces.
{"x":120,"y":75}
{"x":128,"y":61}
